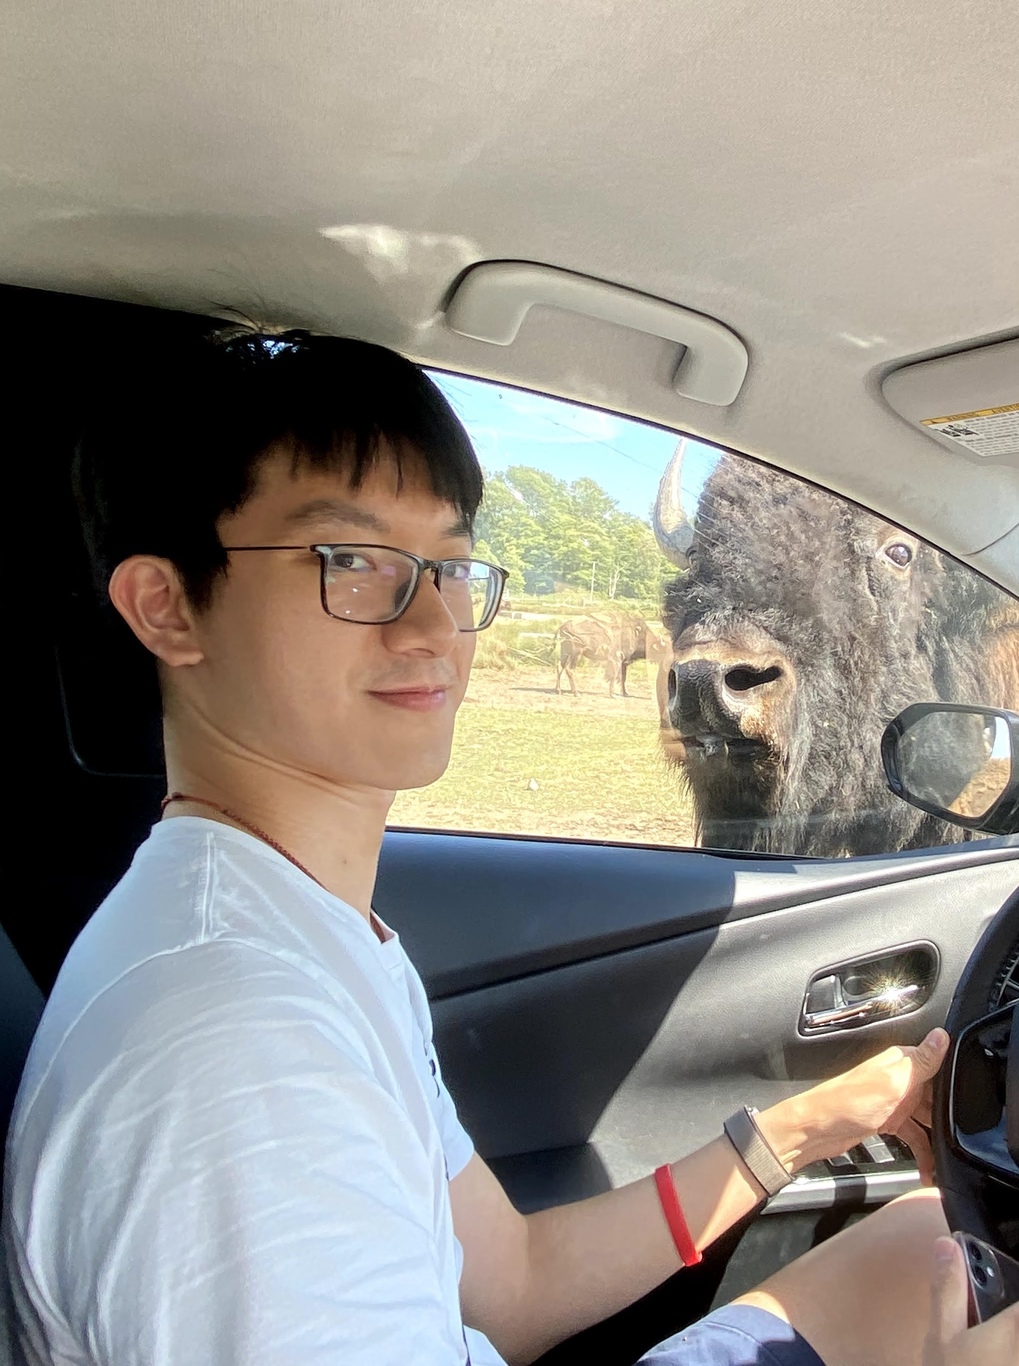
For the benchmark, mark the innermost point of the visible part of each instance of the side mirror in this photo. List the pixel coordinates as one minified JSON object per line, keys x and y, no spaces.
{"x":959,"y":763}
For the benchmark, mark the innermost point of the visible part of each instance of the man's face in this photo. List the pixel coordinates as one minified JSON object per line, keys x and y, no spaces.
{"x":345,"y":703}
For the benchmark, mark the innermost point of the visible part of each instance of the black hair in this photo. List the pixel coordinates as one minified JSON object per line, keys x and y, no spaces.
{"x":176,"y":440}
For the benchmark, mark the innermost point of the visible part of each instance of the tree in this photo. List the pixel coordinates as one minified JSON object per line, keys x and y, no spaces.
{"x":546,"y":531}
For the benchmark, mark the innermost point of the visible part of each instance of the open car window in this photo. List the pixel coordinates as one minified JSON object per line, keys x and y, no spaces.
{"x":696,"y":649}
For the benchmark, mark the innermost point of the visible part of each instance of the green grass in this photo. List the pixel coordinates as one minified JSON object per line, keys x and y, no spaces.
{"x":549,"y":772}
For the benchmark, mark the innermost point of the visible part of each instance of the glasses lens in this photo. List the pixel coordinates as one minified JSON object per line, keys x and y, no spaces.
{"x":471,"y":590}
{"x":373,"y":584}
{"x":366,"y":584}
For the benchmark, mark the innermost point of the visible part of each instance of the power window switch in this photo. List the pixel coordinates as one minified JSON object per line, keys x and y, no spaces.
{"x":877,"y":1149}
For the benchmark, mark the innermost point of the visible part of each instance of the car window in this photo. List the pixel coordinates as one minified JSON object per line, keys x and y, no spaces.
{"x":694,"y":648}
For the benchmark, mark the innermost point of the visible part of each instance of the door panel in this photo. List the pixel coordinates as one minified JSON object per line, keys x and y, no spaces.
{"x":600,"y":1009}
{"x":476,"y":910}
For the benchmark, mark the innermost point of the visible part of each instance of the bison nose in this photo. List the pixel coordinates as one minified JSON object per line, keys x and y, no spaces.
{"x":711,"y":696}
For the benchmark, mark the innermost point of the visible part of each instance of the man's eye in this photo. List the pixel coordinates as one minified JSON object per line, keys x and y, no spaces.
{"x":459,"y":570}
{"x":349,"y":561}
{"x":899,"y":553}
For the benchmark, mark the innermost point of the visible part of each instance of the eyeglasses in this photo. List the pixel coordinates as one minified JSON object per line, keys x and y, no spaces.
{"x":374,"y":584}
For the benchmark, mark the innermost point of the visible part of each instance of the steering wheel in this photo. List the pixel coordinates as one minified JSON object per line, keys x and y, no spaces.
{"x":975,"y":1133}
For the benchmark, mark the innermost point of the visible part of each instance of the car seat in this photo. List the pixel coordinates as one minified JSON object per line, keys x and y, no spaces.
{"x":21,"y":1004}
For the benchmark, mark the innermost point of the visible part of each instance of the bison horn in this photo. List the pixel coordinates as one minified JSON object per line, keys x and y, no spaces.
{"x":673,"y":530}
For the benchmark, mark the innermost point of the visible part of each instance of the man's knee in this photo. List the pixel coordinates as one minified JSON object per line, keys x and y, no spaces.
{"x":918,"y":1210}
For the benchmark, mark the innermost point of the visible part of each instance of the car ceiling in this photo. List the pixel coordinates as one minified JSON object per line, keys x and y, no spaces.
{"x":839,"y":185}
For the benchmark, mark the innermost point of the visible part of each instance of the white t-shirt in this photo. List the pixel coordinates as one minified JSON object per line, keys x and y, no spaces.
{"x":232,"y":1142}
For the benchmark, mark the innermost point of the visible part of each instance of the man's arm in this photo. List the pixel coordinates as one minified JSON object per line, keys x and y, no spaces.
{"x":528,"y":1282}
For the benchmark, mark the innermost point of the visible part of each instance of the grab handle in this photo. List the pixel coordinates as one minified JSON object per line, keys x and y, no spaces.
{"x":493,"y":298}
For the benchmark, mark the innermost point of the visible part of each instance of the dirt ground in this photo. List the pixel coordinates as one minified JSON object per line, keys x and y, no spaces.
{"x":534,"y":690}
{"x":529,"y":761}
{"x":985,"y":789}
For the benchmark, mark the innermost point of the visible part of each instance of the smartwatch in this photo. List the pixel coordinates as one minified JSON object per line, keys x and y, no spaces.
{"x":757,"y":1153}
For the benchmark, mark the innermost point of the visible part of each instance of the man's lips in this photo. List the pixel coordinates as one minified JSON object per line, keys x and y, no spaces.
{"x":413,"y":699}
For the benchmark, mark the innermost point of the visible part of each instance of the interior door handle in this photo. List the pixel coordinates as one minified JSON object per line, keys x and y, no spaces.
{"x":866,"y":990}
{"x":880,"y":1007}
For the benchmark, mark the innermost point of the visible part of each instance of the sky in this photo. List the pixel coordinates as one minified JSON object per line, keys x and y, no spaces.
{"x":627,"y":458}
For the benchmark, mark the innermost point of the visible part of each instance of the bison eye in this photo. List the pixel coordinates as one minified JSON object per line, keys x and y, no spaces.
{"x":899,"y":553}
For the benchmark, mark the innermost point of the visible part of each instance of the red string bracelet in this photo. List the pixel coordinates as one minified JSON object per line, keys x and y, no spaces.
{"x":673,"y":1212}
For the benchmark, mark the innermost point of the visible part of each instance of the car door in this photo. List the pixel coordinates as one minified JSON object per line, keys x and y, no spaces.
{"x":599,"y":1010}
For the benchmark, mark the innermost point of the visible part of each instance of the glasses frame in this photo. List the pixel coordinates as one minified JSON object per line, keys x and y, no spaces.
{"x":420,"y":565}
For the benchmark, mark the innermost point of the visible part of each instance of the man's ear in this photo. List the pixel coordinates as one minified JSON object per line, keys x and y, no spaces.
{"x":147,"y":592}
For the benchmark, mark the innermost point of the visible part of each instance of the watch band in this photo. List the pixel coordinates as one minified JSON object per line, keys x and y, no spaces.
{"x":755,"y":1150}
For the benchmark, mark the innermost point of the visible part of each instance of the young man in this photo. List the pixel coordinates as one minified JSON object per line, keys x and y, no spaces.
{"x":232,"y":1142}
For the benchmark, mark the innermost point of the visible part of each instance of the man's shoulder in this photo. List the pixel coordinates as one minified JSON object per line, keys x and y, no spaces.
{"x":201,"y":928}
{"x":194,"y":883}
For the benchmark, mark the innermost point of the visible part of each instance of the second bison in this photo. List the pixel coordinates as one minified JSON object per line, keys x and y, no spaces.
{"x":615,"y":640}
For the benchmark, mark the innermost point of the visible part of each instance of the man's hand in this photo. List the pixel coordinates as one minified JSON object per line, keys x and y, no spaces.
{"x":949,"y":1341}
{"x":888,"y":1094}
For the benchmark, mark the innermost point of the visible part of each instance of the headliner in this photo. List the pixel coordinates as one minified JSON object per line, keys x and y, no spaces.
{"x":839,"y":185}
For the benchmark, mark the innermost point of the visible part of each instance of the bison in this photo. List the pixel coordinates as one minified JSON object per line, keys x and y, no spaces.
{"x":615,"y":640}
{"x":801,"y":624}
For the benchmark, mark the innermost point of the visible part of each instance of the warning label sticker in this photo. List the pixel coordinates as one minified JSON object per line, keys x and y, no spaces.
{"x":988,"y":432}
